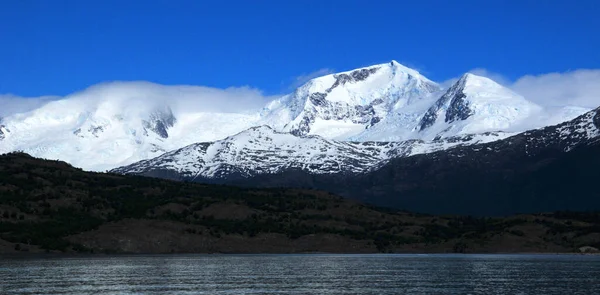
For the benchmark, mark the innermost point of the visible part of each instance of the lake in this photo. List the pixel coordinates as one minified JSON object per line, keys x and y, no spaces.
{"x":302,"y":274}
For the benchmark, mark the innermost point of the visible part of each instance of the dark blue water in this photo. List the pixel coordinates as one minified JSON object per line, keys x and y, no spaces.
{"x":303,"y":274}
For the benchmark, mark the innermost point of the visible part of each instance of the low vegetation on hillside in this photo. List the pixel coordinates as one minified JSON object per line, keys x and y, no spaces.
{"x":50,"y":206}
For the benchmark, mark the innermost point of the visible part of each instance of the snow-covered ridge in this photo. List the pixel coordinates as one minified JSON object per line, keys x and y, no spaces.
{"x":567,"y":135}
{"x":263,"y":150}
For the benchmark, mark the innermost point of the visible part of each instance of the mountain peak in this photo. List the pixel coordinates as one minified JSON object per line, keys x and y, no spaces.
{"x":476,"y":104}
{"x":472,"y":80}
{"x":400,"y":67}
{"x":346,"y":103}
{"x":393,"y":66}
{"x":255,"y":131}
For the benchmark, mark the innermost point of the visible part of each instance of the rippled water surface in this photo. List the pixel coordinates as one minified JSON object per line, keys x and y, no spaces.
{"x":302,"y":274}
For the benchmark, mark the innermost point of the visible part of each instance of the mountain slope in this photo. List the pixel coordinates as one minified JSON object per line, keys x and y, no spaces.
{"x":501,"y":177}
{"x":553,"y":168}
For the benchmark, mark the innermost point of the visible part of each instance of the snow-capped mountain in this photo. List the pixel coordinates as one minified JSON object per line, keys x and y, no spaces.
{"x":475,"y":104}
{"x":340,"y":105}
{"x":262,"y":150}
{"x":542,"y":170}
{"x":117,"y":124}
{"x":100,"y":134}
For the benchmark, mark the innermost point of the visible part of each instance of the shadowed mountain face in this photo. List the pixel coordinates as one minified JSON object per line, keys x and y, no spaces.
{"x":554,"y":168}
{"x":547,"y":169}
{"x":486,"y":185}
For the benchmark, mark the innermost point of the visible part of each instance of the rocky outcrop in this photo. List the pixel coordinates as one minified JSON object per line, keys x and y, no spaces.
{"x":160,"y":121}
{"x":457,"y":106}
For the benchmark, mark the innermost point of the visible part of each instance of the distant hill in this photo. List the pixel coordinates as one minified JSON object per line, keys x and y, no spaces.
{"x":51,"y":206}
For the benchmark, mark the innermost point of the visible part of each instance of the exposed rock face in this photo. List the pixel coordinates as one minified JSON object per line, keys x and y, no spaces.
{"x":458,"y":108}
{"x":160,"y":121}
{"x":319,"y":107}
{"x":355,"y":76}
{"x":475,"y":104}
{"x":339,"y":111}
{"x":93,"y":130}
{"x":2,"y":130}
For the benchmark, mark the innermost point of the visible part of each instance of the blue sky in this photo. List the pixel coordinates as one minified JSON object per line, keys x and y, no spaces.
{"x":59,"y":47}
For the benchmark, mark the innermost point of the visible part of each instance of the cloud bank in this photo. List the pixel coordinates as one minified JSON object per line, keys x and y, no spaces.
{"x":12,"y":104}
{"x":181,"y":98}
{"x":302,"y":79}
{"x":141,"y":96}
{"x":579,"y":88}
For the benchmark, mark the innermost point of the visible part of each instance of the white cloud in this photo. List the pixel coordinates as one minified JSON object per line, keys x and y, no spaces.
{"x":181,"y":98}
{"x":302,"y":79}
{"x":574,"y":88}
{"x":578,"y":88}
{"x":12,"y":104}
{"x":141,"y":96}
{"x":448,"y":83}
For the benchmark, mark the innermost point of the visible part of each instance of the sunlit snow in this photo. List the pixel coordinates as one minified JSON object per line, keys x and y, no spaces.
{"x":118,"y":124}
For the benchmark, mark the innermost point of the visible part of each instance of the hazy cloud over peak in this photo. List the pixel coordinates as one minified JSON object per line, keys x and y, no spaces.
{"x":12,"y":104}
{"x":302,"y":79}
{"x":574,"y":88}
{"x":141,"y":95}
{"x":578,"y":88}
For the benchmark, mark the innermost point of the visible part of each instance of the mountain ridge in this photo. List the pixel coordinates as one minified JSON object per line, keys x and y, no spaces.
{"x":263,"y":150}
{"x":117,"y":124}
{"x":400,"y":179}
